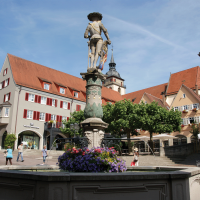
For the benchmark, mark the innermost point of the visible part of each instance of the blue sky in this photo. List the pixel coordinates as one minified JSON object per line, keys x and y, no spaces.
{"x":151,"y":38}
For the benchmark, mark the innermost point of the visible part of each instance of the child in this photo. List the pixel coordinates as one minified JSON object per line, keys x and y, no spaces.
{"x":44,"y":154}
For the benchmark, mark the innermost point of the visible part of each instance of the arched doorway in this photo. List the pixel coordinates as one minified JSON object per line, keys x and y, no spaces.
{"x":58,"y":145}
{"x":30,"y":139}
{"x":3,"y":139}
{"x":180,"y":139}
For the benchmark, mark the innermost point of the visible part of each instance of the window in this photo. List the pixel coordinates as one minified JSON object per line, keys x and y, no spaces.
{"x":6,"y":83}
{"x":191,"y":120}
{"x":6,"y":97}
{"x":53,"y":102}
{"x":31,"y":97}
{"x":5,"y":71}
{"x":42,"y":116}
{"x":185,"y":107}
{"x":64,"y":105}
{"x":184,"y":95}
{"x":29,"y":114}
{"x":62,"y":90}
{"x":43,"y":100}
{"x":6,"y":112}
{"x":64,"y":118}
{"x":78,"y":107}
{"x":145,"y":102}
{"x":175,"y":108}
{"x":53,"y":117}
{"x":195,"y":105}
{"x":46,"y":86}
{"x":0,"y":85}
{"x":76,"y":94}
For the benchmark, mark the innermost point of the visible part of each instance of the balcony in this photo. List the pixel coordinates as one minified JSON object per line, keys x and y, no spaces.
{"x":115,"y":83}
{"x":56,"y":125}
{"x":4,"y":120}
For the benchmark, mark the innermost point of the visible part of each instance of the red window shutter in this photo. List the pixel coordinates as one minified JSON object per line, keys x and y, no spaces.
{"x":36,"y":98}
{"x":50,"y":102}
{"x":25,"y":113}
{"x":38,"y":116}
{"x":60,"y":119}
{"x":49,"y":117}
{"x":80,"y":107}
{"x":4,"y":98}
{"x":61,"y":104}
{"x":67,"y":118}
{"x":9,"y":96}
{"x":8,"y":81}
{"x":57,"y":118}
{"x":56,"y":103}
{"x":68,"y":106}
{"x":26,"y":96}
{"x":46,"y":117}
{"x":3,"y":83}
{"x":39,"y":99}
{"x":76,"y":107}
{"x":34,"y":115}
{"x":6,"y":70}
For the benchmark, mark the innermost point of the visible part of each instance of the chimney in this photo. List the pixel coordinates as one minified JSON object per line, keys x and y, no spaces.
{"x":196,"y":87}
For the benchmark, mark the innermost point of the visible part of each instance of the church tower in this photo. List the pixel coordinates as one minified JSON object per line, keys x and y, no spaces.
{"x":114,"y":80}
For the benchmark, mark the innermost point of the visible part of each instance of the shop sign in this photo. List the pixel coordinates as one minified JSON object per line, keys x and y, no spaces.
{"x":31,"y":126}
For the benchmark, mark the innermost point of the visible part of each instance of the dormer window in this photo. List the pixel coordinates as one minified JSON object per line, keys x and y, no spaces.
{"x":184,"y":95}
{"x":76,"y":94}
{"x":46,"y":86}
{"x":62,"y":90}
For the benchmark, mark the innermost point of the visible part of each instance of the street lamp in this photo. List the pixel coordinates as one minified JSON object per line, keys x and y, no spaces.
{"x":74,"y":127}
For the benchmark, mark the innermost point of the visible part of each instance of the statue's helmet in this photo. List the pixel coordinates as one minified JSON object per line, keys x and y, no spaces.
{"x":96,"y":15}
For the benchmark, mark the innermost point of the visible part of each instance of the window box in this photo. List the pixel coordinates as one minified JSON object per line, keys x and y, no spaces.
{"x":185,"y":111}
{"x":182,"y":125}
{"x":195,"y":109}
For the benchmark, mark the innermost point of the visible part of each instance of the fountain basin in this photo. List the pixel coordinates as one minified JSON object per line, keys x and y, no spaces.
{"x":178,"y":184}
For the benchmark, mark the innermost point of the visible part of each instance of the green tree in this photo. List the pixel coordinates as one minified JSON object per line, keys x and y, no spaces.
{"x":10,"y":140}
{"x":195,"y":132}
{"x":122,"y":117}
{"x":157,"y":119}
{"x":76,"y":117}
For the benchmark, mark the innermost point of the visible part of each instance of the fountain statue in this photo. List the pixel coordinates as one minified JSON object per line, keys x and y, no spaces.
{"x":93,"y":125}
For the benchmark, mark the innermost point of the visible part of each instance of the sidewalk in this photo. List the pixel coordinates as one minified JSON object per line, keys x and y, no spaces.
{"x":33,"y":159}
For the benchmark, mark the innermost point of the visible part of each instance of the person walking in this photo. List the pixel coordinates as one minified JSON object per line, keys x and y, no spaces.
{"x":136,"y":157}
{"x":9,"y":155}
{"x":44,"y":154}
{"x":20,"y":151}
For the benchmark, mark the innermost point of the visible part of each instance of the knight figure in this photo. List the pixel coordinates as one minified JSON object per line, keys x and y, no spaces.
{"x":96,"y":46}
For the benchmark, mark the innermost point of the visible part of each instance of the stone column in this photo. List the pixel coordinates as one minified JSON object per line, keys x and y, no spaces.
{"x":93,"y":125}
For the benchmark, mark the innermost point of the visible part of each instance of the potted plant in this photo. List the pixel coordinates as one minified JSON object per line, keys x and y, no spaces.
{"x":182,"y":125}
{"x":185,"y":111}
{"x":195,"y":109}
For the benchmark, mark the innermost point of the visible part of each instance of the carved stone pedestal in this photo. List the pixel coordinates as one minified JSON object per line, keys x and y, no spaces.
{"x":94,"y":131}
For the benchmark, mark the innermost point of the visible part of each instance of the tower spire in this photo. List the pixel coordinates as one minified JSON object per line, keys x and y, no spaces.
{"x":112,"y":62}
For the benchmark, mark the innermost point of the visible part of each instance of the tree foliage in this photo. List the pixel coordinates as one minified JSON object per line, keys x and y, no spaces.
{"x":76,"y":117}
{"x":195,"y":132}
{"x":126,"y":117}
{"x":10,"y":140}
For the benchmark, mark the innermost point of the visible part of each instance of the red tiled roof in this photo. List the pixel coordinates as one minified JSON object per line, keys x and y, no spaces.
{"x":160,"y":101}
{"x":189,"y":77}
{"x":26,"y":73}
{"x":155,"y":91}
